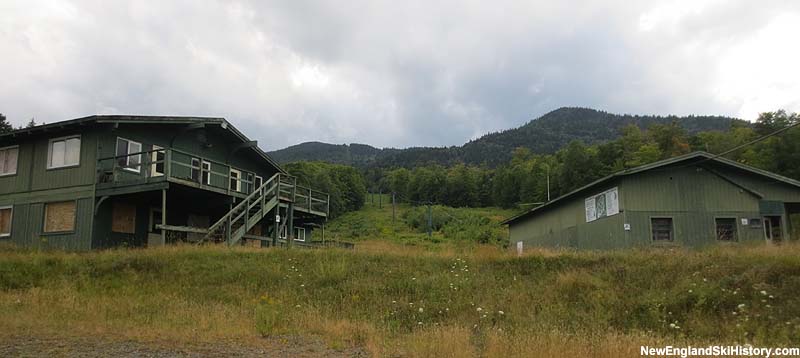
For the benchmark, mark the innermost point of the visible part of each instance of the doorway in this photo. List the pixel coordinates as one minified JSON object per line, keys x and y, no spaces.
{"x":773,"y":230}
{"x":154,"y":237}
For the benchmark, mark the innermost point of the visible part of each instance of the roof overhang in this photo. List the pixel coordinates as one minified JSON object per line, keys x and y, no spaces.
{"x":694,"y":158}
{"x":116,"y":120}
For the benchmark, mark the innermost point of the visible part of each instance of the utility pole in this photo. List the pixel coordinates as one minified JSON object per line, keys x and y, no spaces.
{"x":380,"y":198}
{"x":393,"y":204}
{"x":548,"y":183}
{"x":430,"y":221}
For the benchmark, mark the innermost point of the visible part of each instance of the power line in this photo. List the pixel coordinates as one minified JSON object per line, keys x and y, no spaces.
{"x":738,"y":147}
{"x":754,"y":141}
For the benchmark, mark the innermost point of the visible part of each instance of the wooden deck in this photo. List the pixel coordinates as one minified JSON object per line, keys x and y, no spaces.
{"x":116,"y":177}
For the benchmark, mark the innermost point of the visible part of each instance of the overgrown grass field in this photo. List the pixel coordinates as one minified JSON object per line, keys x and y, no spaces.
{"x":396,"y":299}
{"x":408,"y":226}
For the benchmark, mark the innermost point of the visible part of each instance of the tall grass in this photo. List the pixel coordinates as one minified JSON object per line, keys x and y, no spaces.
{"x":396,"y":299}
{"x":409,"y":224}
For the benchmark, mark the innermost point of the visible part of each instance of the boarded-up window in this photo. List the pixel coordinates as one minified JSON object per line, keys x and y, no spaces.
{"x":726,"y":229}
{"x":662,"y":229}
{"x":59,"y":216}
{"x":5,"y":221}
{"x":123,"y":218}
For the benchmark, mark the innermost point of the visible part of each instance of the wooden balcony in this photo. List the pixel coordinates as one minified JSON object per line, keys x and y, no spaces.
{"x":155,"y":169}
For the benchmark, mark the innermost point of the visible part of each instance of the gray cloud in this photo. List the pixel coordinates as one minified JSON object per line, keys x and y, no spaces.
{"x":394,"y":73}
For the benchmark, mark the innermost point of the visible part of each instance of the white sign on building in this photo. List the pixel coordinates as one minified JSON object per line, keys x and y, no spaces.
{"x":602,"y":205}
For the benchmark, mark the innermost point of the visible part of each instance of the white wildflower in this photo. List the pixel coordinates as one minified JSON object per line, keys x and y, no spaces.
{"x":420,"y":310}
{"x":501,"y":313}
{"x":480,"y":309}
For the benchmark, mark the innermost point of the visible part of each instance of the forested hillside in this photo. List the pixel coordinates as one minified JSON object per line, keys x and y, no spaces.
{"x":524,"y":177}
{"x":543,"y":135}
{"x":359,"y":155}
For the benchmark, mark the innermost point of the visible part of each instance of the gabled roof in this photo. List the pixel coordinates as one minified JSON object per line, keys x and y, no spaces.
{"x":694,"y":157}
{"x":135,"y":119}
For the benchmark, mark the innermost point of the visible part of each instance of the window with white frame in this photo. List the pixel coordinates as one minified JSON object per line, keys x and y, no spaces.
{"x":5,"y":220}
{"x":126,"y":157}
{"x":236,"y":183}
{"x":158,"y":159}
{"x":300,"y":234}
{"x":64,"y":152}
{"x":258,"y":182}
{"x":8,"y":160}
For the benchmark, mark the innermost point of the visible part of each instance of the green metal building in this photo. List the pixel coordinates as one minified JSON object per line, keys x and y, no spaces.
{"x":692,"y":200}
{"x":107,"y":181}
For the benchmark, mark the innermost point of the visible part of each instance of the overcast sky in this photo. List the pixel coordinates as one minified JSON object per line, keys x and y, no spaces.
{"x":394,"y":73}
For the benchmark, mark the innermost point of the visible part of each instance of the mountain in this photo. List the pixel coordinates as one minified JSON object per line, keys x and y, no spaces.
{"x":545,"y":134}
{"x":353,"y":154}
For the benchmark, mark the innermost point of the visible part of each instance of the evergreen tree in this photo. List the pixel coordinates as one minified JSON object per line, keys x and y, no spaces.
{"x":4,"y":125}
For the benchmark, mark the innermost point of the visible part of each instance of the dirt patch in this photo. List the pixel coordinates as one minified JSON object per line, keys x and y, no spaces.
{"x":283,"y":346}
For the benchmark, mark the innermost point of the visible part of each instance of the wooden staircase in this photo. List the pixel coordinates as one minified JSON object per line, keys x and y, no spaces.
{"x":232,"y":226}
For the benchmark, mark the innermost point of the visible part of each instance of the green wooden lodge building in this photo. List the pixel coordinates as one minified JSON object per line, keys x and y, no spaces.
{"x":108,"y":181}
{"x":693,"y":200}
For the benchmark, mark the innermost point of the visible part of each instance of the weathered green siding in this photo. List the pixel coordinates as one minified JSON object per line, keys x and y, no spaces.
{"x":83,"y":174}
{"x":566,"y":226}
{"x":771,"y":189}
{"x":28,"y":221}
{"x":212,"y":143}
{"x":32,"y":173}
{"x":19,"y":182}
{"x":693,"y":196}
{"x":34,"y":185}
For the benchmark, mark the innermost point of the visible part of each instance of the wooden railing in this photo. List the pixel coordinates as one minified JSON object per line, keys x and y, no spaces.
{"x":236,"y":222}
{"x":311,"y":200}
{"x":187,"y":168}
{"x":158,"y":164}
